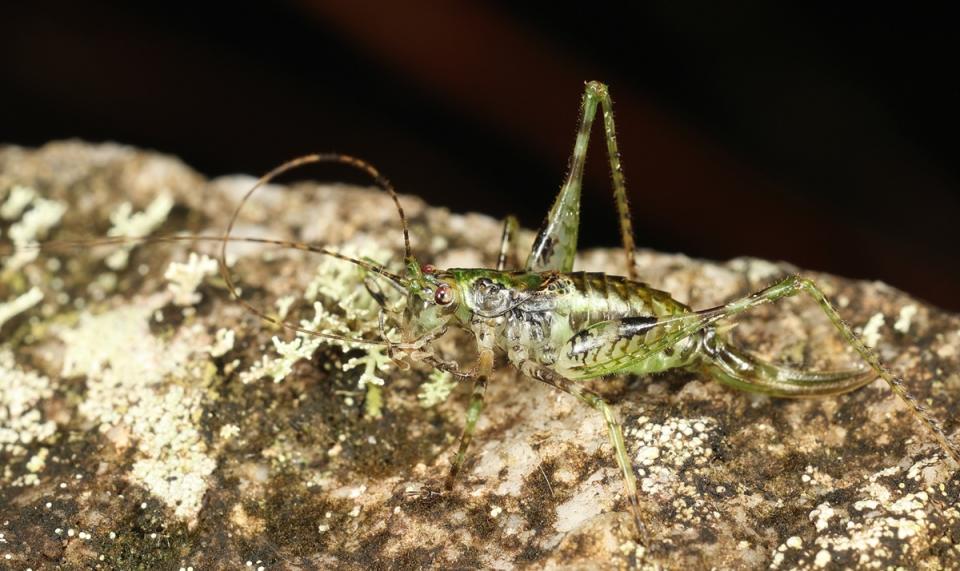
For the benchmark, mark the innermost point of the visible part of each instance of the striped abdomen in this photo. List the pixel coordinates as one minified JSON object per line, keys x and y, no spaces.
{"x":597,"y":297}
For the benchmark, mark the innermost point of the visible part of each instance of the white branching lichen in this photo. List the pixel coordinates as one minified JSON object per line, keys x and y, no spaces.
{"x":223,"y":342}
{"x":19,"y":304}
{"x":17,"y":201}
{"x":130,"y":224}
{"x":186,"y":277}
{"x":34,"y":225}
{"x":903,"y":320}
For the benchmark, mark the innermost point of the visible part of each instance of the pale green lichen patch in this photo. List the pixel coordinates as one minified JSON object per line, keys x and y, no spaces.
{"x":224,"y":340}
{"x":16,"y":202}
{"x":906,"y":315}
{"x":338,"y":284}
{"x":126,"y":368}
{"x":437,"y":389}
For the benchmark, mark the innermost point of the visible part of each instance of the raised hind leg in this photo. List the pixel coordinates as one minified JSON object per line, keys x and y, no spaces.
{"x":556,"y":244}
{"x":509,"y":230}
{"x":614,"y":431}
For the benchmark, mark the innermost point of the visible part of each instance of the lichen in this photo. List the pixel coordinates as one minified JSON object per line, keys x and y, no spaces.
{"x":130,"y":224}
{"x":871,"y":331}
{"x":437,"y":389}
{"x":22,"y":421}
{"x":125,"y":367}
{"x":17,"y":201}
{"x":223,"y":342}
{"x":341,"y":285}
{"x":903,"y":320}
{"x":186,"y":277}
{"x":38,"y":216}
{"x":19,"y":304}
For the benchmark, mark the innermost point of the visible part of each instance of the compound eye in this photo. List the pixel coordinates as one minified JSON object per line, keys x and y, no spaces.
{"x":443,"y":295}
{"x":428,"y":268}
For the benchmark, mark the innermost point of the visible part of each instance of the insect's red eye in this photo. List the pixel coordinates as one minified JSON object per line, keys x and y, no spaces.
{"x":428,"y":268}
{"x":443,"y":295}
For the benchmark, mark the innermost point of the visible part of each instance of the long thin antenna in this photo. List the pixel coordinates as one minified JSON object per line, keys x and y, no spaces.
{"x":355,"y":162}
{"x":119,"y":240}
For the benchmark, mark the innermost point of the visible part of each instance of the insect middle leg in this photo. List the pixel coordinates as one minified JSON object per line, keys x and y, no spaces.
{"x":614,"y":431}
{"x":483,"y":369}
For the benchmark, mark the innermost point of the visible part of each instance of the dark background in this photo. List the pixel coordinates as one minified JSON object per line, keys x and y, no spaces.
{"x":822,"y":136}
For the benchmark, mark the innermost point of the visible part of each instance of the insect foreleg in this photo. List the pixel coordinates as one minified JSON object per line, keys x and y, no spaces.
{"x":614,"y":431}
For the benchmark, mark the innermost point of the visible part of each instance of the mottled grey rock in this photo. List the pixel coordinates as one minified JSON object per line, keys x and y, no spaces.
{"x":133,"y":434}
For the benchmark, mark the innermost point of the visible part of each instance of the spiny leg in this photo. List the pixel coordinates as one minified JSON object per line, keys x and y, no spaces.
{"x":614,"y":431}
{"x":509,"y":230}
{"x":473,"y":414}
{"x":676,"y":329}
{"x":556,"y":244}
{"x":484,"y":366}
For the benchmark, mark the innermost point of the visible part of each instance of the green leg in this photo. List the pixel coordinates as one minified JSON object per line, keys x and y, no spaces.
{"x":473,"y":414}
{"x":556,"y":244}
{"x":509,"y":229}
{"x":614,"y":431}
{"x":483,"y":369}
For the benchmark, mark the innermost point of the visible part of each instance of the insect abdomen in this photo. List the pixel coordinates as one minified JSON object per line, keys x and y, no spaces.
{"x":600,"y":297}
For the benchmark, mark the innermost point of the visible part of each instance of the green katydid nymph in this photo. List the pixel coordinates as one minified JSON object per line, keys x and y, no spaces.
{"x":561,"y":327}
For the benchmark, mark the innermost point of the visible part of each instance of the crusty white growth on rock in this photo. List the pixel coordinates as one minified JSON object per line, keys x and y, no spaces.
{"x":668,"y":457}
{"x":130,"y":224}
{"x":19,"y":304}
{"x":175,"y":465}
{"x":882,"y":516}
{"x":186,"y":277}
{"x":21,"y":420}
{"x":125,"y":368}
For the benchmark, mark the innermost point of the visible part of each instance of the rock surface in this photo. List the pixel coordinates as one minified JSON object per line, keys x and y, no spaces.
{"x":137,"y":431}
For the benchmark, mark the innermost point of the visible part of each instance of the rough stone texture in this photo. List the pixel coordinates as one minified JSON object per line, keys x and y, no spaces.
{"x":128,"y":440}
